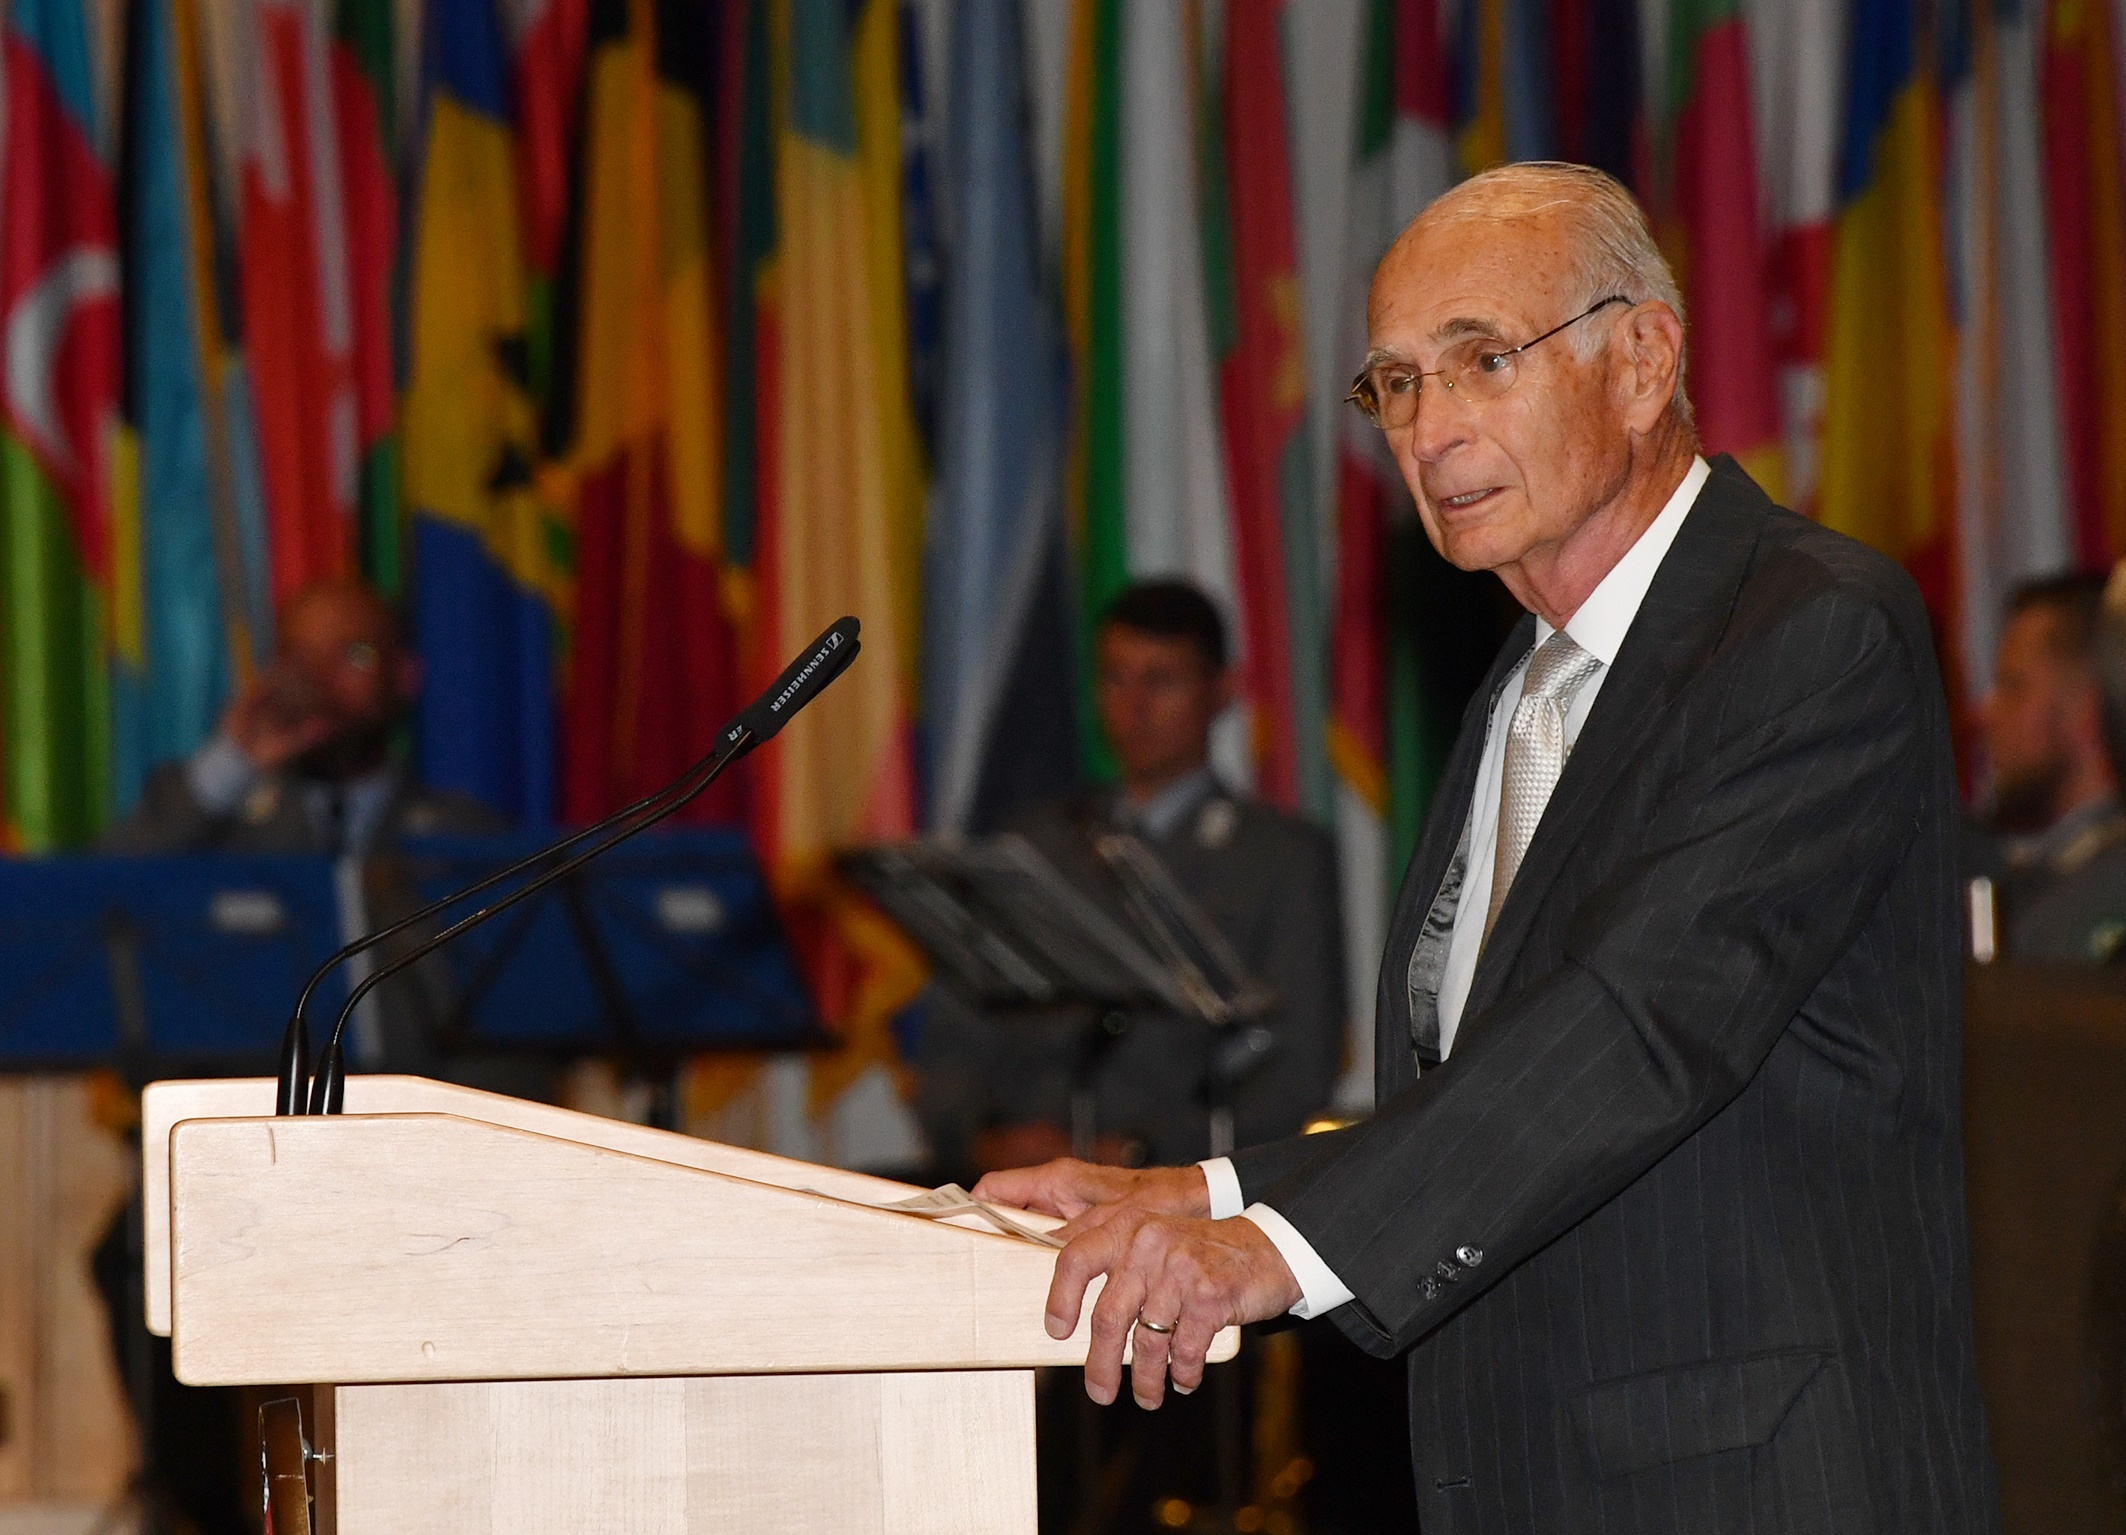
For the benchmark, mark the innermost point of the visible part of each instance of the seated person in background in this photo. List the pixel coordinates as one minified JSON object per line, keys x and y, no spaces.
{"x":995,"y":1089}
{"x":303,"y":761}
{"x":2059,"y":858}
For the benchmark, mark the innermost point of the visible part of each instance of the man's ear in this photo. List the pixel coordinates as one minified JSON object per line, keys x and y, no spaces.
{"x":1651,"y":370}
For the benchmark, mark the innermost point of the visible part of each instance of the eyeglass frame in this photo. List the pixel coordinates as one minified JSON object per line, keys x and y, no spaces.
{"x":1364,"y":374}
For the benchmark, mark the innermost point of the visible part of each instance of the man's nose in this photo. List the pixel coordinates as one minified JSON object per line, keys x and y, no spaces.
{"x":1441,"y":424}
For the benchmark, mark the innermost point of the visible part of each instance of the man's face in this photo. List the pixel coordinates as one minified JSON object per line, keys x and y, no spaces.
{"x":2031,"y":715}
{"x":1499,"y":480}
{"x":339,"y":658}
{"x":1157,"y":698}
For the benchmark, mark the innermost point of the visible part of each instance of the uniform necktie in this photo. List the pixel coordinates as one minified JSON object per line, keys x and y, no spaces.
{"x":1535,"y":755}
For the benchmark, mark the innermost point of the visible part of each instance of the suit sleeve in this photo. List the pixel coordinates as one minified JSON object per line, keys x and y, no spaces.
{"x":1755,"y":870}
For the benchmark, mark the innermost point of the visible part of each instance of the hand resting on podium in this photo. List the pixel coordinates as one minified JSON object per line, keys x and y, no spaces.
{"x":1174,"y":1276}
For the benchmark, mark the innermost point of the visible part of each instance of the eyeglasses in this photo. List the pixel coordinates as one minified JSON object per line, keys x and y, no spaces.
{"x":1477,"y":370}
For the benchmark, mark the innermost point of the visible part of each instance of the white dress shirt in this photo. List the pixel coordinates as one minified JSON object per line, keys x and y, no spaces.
{"x":1598,"y":627}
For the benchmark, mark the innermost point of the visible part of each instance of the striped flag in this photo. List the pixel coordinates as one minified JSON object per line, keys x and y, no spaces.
{"x":362,"y":95}
{"x":2087,"y":230}
{"x":299,"y":304}
{"x":170,"y":650}
{"x":1250,"y":249}
{"x":1888,"y":455}
{"x":649,"y":675}
{"x":60,"y":318}
{"x":1149,"y":475}
{"x":486,"y":572}
{"x":997,"y":586}
{"x":839,"y":510}
{"x":546,"y":41}
{"x":1797,"y":56}
{"x":1598,"y":104}
{"x":1713,"y":235}
{"x":2014,"y":521}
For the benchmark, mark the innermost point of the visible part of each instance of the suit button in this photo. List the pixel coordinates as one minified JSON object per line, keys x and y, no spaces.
{"x":1447,"y":1271}
{"x":1428,"y":1287}
{"x":1470,"y":1255}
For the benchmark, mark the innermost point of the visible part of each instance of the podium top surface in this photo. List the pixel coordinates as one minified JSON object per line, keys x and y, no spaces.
{"x":413,"y":1242}
{"x":166,"y":1104}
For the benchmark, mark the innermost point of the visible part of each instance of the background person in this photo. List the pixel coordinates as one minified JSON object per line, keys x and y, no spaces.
{"x":2058,"y":836}
{"x":995,"y":1088}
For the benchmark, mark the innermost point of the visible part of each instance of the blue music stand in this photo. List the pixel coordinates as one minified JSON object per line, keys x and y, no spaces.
{"x":667,"y":946}
{"x":186,"y":963}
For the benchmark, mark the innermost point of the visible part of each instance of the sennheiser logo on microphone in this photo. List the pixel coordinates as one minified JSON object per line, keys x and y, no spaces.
{"x":819,"y":657}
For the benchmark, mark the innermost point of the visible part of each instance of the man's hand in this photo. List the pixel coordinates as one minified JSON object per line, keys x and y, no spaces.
{"x":1191,"y":1277}
{"x":1071,"y":1188}
{"x":281,"y":715}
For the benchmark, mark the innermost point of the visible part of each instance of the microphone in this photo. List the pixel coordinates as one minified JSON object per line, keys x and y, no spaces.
{"x":803,"y":680}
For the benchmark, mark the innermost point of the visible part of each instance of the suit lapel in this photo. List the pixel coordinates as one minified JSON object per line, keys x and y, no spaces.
{"x":1685,"y":611}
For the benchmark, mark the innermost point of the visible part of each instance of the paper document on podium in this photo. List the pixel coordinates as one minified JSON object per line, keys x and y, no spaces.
{"x":950,"y":1199}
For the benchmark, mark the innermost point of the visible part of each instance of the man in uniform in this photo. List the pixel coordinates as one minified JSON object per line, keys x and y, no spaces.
{"x":996,"y":1090}
{"x":2058,"y":852}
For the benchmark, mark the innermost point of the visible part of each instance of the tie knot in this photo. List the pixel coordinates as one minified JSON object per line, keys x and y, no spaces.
{"x":1557,"y":669}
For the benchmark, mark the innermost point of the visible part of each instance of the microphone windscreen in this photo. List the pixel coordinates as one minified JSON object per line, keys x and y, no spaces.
{"x":803,"y":680}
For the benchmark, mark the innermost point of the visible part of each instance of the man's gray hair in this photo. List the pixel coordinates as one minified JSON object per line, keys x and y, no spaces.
{"x":1613,"y":247}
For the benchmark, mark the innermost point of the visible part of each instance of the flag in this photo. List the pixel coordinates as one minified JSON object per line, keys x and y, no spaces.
{"x":1149,"y":472}
{"x":838,"y":518}
{"x":363,"y":108}
{"x":997,"y":642}
{"x":487,"y":570}
{"x":299,"y":302}
{"x":60,"y":317}
{"x":1383,"y":741}
{"x":649,"y":672}
{"x":1797,"y":52}
{"x":1503,"y":86}
{"x":2014,"y":519}
{"x":1250,"y":246}
{"x":546,"y":39}
{"x":2087,"y":233}
{"x":1888,"y":469}
{"x":1598,"y":107}
{"x":1714,"y":239}
{"x":170,"y":650}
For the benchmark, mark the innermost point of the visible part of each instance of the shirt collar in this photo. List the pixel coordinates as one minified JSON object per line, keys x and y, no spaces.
{"x":1605,"y":617}
{"x":1166,"y":809}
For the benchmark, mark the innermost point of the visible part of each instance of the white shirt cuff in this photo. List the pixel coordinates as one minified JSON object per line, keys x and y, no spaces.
{"x":1226,"y":1199}
{"x":1320,"y":1290}
{"x":220,"y":775}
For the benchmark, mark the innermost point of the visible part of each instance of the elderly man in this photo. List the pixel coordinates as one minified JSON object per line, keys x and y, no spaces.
{"x":1664,"y":1193}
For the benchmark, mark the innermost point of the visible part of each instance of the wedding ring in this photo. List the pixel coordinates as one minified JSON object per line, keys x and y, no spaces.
{"x":1150,"y":1326}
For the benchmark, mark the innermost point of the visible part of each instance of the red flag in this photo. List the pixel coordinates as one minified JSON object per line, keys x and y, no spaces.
{"x":297,"y":302}
{"x":1262,"y":381}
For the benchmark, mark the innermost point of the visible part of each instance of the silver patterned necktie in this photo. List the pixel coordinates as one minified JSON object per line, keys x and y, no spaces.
{"x":1535,"y":755}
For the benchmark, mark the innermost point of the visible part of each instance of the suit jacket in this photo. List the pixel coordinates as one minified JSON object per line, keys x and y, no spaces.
{"x":272,"y":818}
{"x":1268,"y":881}
{"x":1675,"y":1239}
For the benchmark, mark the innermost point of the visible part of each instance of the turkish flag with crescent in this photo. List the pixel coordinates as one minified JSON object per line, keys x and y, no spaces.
{"x":59,"y":319}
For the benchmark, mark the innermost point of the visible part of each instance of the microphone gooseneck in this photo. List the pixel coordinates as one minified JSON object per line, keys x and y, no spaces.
{"x":817,"y":666}
{"x":294,"y":1072}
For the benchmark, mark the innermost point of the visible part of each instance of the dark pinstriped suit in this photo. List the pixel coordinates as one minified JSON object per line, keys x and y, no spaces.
{"x":1676,"y":1237}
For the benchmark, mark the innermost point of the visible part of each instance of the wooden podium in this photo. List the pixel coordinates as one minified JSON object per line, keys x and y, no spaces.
{"x":524,"y":1319}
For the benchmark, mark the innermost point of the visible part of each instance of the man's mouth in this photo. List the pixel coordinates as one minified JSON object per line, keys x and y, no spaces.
{"x":1466,"y":499}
